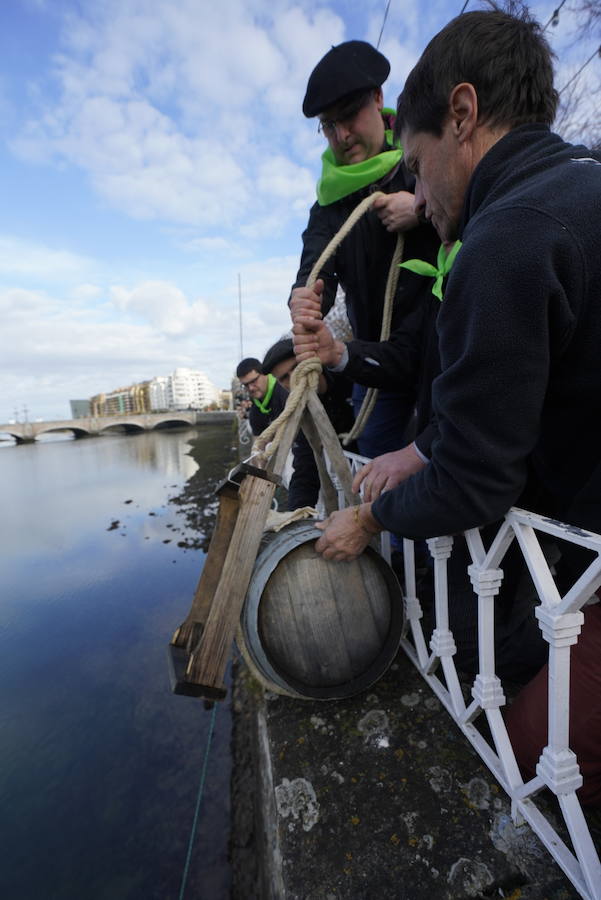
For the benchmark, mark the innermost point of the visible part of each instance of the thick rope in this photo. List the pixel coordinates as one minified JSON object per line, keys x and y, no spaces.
{"x":338,"y":238}
{"x":305,"y":377}
{"x":369,"y":401}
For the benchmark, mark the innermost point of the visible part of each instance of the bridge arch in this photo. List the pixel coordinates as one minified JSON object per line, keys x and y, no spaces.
{"x":122,"y":427}
{"x":13,"y":434}
{"x":77,"y":431}
{"x":172,"y":420}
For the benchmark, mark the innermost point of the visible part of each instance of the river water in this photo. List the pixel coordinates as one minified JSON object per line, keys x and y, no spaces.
{"x":100,"y":764}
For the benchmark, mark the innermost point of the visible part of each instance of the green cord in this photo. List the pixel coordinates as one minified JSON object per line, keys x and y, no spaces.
{"x":198,"y":801}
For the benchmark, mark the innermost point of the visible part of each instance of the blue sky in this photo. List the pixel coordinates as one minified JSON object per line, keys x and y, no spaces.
{"x":151,"y":151}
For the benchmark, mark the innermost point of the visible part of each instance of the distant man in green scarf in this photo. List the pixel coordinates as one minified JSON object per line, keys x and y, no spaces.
{"x":267,"y":398}
{"x":345,"y":92}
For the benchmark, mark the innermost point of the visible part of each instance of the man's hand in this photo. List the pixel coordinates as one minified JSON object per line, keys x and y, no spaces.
{"x":306,"y":302}
{"x":396,"y":211}
{"x":343,"y":538}
{"x":243,"y":408}
{"x":386,"y":471}
{"x":312,"y":337}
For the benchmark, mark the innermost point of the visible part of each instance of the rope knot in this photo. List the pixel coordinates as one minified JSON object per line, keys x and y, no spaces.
{"x":306,"y":375}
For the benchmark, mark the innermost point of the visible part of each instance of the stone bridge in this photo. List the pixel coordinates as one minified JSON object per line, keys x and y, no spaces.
{"x":24,"y":432}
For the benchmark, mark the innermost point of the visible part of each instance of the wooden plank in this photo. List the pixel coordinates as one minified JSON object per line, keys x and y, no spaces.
{"x":189,"y":632}
{"x":282,"y":640}
{"x":357,"y":627}
{"x":329,"y":493}
{"x":319,"y":612}
{"x":206,"y":668}
{"x":278,"y":461}
{"x":332,"y":447}
{"x":375,"y":589}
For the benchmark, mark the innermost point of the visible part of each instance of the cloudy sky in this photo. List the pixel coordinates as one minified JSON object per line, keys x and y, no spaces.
{"x":152,"y":153}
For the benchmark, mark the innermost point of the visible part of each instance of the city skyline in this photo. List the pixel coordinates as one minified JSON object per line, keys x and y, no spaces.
{"x":22,"y":415}
{"x":152,"y":158}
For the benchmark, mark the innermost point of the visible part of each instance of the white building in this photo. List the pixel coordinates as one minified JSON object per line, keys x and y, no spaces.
{"x":184,"y":389}
{"x":159,"y":393}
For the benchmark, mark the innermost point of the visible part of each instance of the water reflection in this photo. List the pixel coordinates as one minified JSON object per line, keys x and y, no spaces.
{"x":99,"y":762}
{"x":52,"y":437}
{"x":197,"y":501}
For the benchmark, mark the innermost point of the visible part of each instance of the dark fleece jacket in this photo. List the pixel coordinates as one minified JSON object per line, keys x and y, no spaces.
{"x":518,"y":401}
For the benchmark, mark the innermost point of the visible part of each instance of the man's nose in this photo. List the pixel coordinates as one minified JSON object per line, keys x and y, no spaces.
{"x":419,"y":204}
{"x":343,"y":132}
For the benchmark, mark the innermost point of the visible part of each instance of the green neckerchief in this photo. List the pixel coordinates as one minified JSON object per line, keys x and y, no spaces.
{"x":264,"y":403}
{"x":340,"y":181}
{"x":444,"y":264}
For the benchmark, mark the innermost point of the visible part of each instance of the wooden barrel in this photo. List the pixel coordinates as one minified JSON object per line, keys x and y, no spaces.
{"x":314,"y":628}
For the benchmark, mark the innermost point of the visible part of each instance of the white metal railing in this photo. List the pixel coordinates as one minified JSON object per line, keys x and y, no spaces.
{"x":245,"y":434}
{"x":560,"y":619}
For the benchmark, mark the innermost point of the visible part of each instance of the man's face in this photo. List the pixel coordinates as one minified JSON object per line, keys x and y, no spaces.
{"x":283,"y":370}
{"x":442,"y":172}
{"x":354,"y":135}
{"x":255,"y":384}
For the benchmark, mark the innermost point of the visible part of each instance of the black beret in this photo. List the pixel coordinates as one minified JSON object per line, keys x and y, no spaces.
{"x":280,"y":351}
{"x":349,"y":67}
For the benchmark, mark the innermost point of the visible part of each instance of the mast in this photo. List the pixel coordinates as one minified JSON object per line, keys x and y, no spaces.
{"x":241,"y":356}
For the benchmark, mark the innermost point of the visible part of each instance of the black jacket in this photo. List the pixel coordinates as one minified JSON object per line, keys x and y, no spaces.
{"x":518,"y":402}
{"x":406,"y":364}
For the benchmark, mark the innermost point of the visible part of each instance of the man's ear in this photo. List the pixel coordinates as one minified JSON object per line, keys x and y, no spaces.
{"x":463,"y":110}
{"x":379,"y":98}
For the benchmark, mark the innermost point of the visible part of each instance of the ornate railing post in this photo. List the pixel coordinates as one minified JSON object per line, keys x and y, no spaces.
{"x":442,"y":642}
{"x":558,"y":766}
{"x":487,"y":690}
{"x":412,"y":605}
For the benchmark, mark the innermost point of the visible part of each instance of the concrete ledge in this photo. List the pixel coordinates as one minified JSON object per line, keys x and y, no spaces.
{"x":379,"y":796}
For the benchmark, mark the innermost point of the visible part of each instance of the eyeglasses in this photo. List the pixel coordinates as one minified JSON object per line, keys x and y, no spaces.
{"x":346,"y":114}
{"x":247,"y":384}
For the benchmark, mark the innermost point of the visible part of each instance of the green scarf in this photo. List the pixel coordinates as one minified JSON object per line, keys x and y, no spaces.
{"x":444,"y":264}
{"x":264,"y":403}
{"x":339,"y":181}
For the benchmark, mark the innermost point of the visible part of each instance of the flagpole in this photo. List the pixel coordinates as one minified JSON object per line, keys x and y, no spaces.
{"x":240,"y":315}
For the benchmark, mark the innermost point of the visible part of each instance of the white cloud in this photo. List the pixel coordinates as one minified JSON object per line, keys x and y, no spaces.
{"x":163,"y":305}
{"x":281,"y":178}
{"x":25,"y":259}
{"x":86,"y":292}
{"x":213,"y":245}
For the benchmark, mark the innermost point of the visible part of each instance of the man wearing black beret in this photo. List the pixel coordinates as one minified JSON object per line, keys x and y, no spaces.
{"x":345,"y":92}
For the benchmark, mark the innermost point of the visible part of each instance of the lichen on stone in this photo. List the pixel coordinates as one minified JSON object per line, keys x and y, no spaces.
{"x":297,"y":798}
